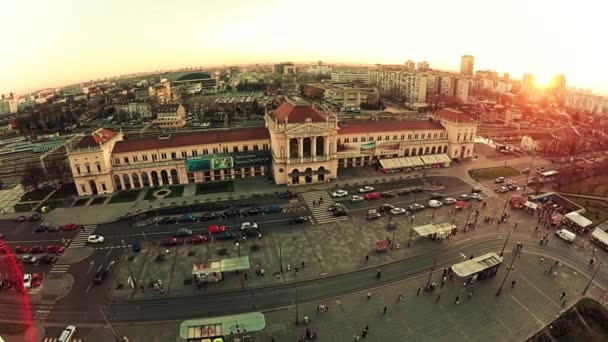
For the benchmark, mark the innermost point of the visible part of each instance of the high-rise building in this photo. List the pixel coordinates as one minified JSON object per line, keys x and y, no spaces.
{"x":410,"y":65}
{"x":423,"y":66}
{"x":527,"y":84}
{"x":467,"y":65}
{"x":286,"y":68}
{"x":350,"y":76}
{"x":410,"y":87}
{"x":505,"y":76}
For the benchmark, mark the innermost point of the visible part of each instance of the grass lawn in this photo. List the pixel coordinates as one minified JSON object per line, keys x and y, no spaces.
{"x":58,"y":203}
{"x":214,"y":187}
{"x":36,"y":195}
{"x":25,"y":207}
{"x":66,"y":190}
{"x":125,"y":196}
{"x":597,"y":211}
{"x":596,"y":186}
{"x":176,"y":191}
{"x":493,"y":173}
{"x":80,"y":202}
{"x":98,"y":200}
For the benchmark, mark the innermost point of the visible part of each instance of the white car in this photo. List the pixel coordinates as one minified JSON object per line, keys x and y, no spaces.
{"x":449,"y":200}
{"x":249,"y":225}
{"x":366,"y":189}
{"x":398,"y":211}
{"x":339,"y":193}
{"x":27,"y":281}
{"x":356,"y":198}
{"x":435,"y":204}
{"x":503,"y":189}
{"x":511,"y":182}
{"x":95,"y":239}
{"x":476,"y":196}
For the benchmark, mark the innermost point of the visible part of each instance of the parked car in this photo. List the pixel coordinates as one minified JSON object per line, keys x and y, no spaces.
{"x":336,"y":206}
{"x":476,"y":196}
{"x":224,"y":236}
{"x":372,"y":196}
{"x":209,"y":216}
{"x":182,"y":232}
{"x":526,"y":170}
{"x":70,"y":226}
{"x":249,"y":225}
{"x":366,"y":188}
{"x":339,"y":193}
{"x":273,"y":209}
{"x":386,"y":207}
{"x":29,"y":259}
{"x":95,"y":239}
{"x":340,"y":212}
{"x":21,"y":250}
{"x":476,"y":190}
{"x":298,"y":220}
{"x":435,"y":204}
{"x":404,"y":192}
{"x":356,"y":198}
{"x":502,"y":189}
{"x":511,"y":182}
{"x":34,"y":217}
{"x":27,"y":281}
{"x":37,"y":249}
{"x":48,"y":259}
{"x":187,"y":218}
{"x":373,"y":214}
{"x":100,"y":276}
{"x":436,"y":195}
{"x":388,"y":194}
{"x":398,"y":211}
{"x":54,"y":229}
{"x":499,"y":180}
{"x":231,"y":213}
{"x":416,"y":207}
{"x":464,"y":197}
{"x":167,"y":220}
{"x":512,"y":187}
{"x":215,"y":229}
{"x":172,"y":241}
{"x":41,"y":228}
{"x":20,"y":218}
{"x":36,"y":280}
{"x":287,"y":195}
{"x":449,"y":200}
{"x":253,"y":211}
{"x":416,"y":189}
{"x":245,"y":233}
{"x":196,"y":239}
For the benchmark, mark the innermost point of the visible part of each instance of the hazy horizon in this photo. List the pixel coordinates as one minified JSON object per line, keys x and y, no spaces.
{"x":56,"y":44}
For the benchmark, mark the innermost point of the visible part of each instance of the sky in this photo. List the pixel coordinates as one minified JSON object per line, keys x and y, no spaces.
{"x":54,"y":43}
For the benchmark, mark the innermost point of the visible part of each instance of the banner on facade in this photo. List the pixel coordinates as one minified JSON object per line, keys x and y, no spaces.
{"x":368,"y":148}
{"x":215,"y":162}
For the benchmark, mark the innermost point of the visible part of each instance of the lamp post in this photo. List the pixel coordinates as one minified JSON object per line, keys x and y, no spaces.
{"x":390,"y":223}
{"x":505,"y":244}
{"x":238,"y":247}
{"x":591,"y":279}
{"x":528,"y":174}
{"x":280,"y":258}
{"x":504,"y":210}
{"x":409,"y":243}
{"x":508,"y":271}
{"x":428,"y":282}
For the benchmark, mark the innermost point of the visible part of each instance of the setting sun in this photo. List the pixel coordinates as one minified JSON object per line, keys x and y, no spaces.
{"x":543,"y":80}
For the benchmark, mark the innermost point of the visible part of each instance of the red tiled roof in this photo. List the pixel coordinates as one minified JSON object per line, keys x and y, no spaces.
{"x":454,"y":115}
{"x":211,"y":137}
{"x":96,"y":138}
{"x":288,"y":112}
{"x":389,"y":126}
{"x":540,"y":136}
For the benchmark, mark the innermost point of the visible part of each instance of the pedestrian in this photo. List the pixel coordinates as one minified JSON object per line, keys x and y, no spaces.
{"x":437,"y":300}
{"x":384,"y":310}
{"x":594,"y":251}
{"x":564,"y":303}
{"x":369,"y":295}
{"x":379,"y":274}
{"x":418,"y":292}
{"x":556,"y":263}
{"x":513,"y":283}
{"x":245,"y":276}
{"x":457,"y":301}
{"x":302,"y":264}
{"x":321,"y":200}
{"x":356,"y":337}
{"x":288,"y":267}
{"x":470,"y":294}
{"x":142,"y":288}
{"x":536,"y":229}
{"x":162,"y":290}
{"x":451,"y":276}
{"x":314,"y":204}
{"x":366,"y":257}
{"x":364,"y":331}
{"x":562,"y":295}
{"x":400,"y":297}
{"x":296,"y":269}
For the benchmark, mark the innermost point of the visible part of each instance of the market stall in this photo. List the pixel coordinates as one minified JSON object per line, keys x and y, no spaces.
{"x":436,"y":231}
{"x":213,"y":271}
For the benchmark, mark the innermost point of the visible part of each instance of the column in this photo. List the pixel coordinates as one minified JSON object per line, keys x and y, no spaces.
{"x":287,"y":147}
{"x":313,"y":147}
{"x":326,"y":147}
{"x":300,"y":148}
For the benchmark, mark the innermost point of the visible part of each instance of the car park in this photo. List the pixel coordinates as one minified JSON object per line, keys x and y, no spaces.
{"x":298,"y":220}
{"x":232,"y":213}
{"x":41,"y":228}
{"x":386,"y":208}
{"x":27,"y":281}
{"x":249,"y":225}
{"x":167,"y":220}
{"x":464,"y":197}
{"x":372,"y":196}
{"x":172,"y":241}
{"x":476,"y":196}
{"x":215,"y":229}
{"x":20,"y":218}
{"x":29,"y":259}
{"x":209,"y":216}
{"x":435,"y":204}
{"x":373,"y":214}
{"x":54,"y":229}
{"x":100,"y":276}
{"x":449,"y":200}
{"x":339,"y":193}
{"x":69,"y":227}
{"x":336,"y":206}
{"x":356,"y":198}
{"x":48,"y":259}
{"x":499,"y":180}
{"x":37,"y":249}
{"x":365,"y":189}
{"x":436,"y":195}
{"x":224,"y":236}
{"x":95,"y":239}
{"x":416,"y":207}
{"x":183,"y":232}
{"x":197,"y":238}
{"x":187,"y":218}
{"x":398,"y":211}
{"x":21,"y":249}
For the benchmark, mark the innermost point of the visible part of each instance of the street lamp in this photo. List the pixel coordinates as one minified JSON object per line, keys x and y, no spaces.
{"x":238,"y":246}
{"x":517,"y":251}
{"x":529,"y":171}
{"x":591,"y":279}
{"x":409,"y":243}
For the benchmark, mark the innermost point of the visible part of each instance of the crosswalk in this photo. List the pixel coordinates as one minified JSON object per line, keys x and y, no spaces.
{"x":59,"y":268}
{"x":80,"y":240}
{"x":42,"y":312}
{"x":320,"y":213}
{"x":56,"y":339}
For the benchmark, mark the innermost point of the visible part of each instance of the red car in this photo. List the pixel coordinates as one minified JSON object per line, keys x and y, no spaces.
{"x":37,"y":249}
{"x":69,"y":227}
{"x":372,"y":196}
{"x":214,"y":229}
{"x":196,"y":239}
{"x":172,"y":242}
{"x":54,"y":249}
{"x":36,"y":280}
{"x":21,"y":249}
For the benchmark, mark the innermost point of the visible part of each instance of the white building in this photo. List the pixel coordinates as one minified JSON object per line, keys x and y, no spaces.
{"x":319,"y":69}
{"x":136,"y":110}
{"x":171,"y":116}
{"x":461,"y":129}
{"x":410,"y":87}
{"x":535,"y":141}
{"x":350,"y":76}
{"x":462,"y":89}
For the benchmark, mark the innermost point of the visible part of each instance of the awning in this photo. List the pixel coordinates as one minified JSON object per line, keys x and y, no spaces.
{"x":435,"y":228}
{"x":223,"y":265}
{"x":579,"y":219}
{"x":208,"y":328}
{"x":473,"y":266}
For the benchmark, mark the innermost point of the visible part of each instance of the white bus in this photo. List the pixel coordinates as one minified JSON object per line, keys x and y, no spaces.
{"x":600,"y":237}
{"x":547,"y":176}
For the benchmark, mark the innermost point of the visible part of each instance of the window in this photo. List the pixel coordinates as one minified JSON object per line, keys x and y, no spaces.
{"x":225,"y":149}
{"x":116,"y":161}
{"x":416,"y":136}
{"x":144,"y":157}
{"x":88,"y":168}
{"x":126,"y":159}
{"x":255,"y":147}
{"x":98,"y":167}
{"x":338,"y":141}
{"x":354,"y":139}
{"x":77,"y":169}
{"x":205,"y":151}
{"x":194,"y":152}
{"x":362,"y":139}
{"x":346,"y":140}
{"x":402,"y":136}
{"x":435,"y":135}
{"x":409,"y":137}
{"x":245,"y":148}
{"x":103,"y":187}
{"x":215,"y":151}
{"x":388,"y":137}
{"x":84,"y":189}
{"x":265,"y":146}
{"x":458,"y":137}
{"x":371,"y":138}
{"x":135,"y":159}
{"x":184,"y":154}
{"x":235,"y":149}
{"x":163,"y":156}
{"x":154,"y":157}
{"x":471,"y":138}
{"x":379,"y":138}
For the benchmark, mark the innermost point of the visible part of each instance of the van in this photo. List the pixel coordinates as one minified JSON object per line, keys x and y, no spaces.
{"x":372,"y":196}
{"x":565,"y":235}
{"x":67,"y":334}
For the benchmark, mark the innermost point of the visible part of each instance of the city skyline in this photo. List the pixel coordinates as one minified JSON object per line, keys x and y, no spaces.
{"x":168,"y":36}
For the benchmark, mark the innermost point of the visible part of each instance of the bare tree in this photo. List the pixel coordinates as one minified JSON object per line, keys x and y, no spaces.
{"x":32,"y":176}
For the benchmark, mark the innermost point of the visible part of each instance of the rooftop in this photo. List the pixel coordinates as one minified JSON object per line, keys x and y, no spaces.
{"x":389,"y":126}
{"x":454,"y":115}
{"x":96,"y":138}
{"x":297,"y":110}
{"x":209,"y":137}
{"x":195,"y":76}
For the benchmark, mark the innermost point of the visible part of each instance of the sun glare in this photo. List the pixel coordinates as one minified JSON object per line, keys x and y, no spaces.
{"x":542,"y":80}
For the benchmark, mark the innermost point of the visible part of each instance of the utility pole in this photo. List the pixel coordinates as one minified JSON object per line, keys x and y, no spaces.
{"x":428,"y":282}
{"x":505,"y":244}
{"x":466,"y":223}
{"x":296,"y":305}
{"x":530,"y":171}
{"x":409,"y":243}
{"x":108,"y":323}
{"x":591,"y":279}
{"x":508,"y":271}
{"x":504,"y":210}
{"x":280,"y":257}
{"x":390,"y":221}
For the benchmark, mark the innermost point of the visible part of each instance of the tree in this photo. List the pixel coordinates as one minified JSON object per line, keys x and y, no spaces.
{"x":32,"y":176}
{"x":58,"y":170}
